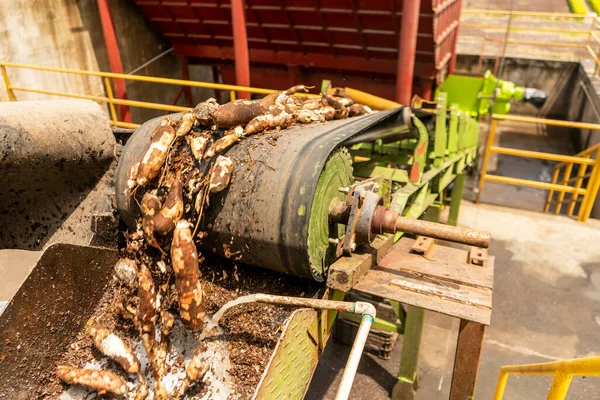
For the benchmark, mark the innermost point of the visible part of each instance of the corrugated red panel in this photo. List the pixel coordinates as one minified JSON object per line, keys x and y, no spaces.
{"x":352,"y":35}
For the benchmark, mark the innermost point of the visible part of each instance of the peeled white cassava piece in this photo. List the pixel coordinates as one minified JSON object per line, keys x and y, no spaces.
{"x":185,"y":124}
{"x":145,"y":318}
{"x":100,"y":380}
{"x":172,"y":210}
{"x":231,"y":137}
{"x":143,"y":172}
{"x":220,"y":174}
{"x":126,"y":271}
{"x":113,"y":347}
{"x":184,"y":257}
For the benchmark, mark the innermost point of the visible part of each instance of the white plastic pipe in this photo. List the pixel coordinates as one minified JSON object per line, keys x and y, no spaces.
{"x":368,"y":312}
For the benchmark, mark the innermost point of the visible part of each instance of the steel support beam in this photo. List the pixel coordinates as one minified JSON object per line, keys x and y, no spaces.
{"x":114,"y":56}
{"x":452,"y":63}
{"x":407,"y":50}
{"x":240,"y":44}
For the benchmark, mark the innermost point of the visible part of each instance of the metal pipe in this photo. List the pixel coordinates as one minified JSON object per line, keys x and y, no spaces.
{"x":240,"y":46}
{"x":368,"y":313}
{"x":407,"y":49}
{"x":114,"y":56}
{"x":386,"y":221}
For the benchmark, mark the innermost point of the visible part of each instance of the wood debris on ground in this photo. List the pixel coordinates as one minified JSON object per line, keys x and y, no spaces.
{"x":184,"y":165}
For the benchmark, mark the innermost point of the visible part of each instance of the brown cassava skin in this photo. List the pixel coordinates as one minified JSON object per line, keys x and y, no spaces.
{"x":102,"y":381}
{"x":358,"y":109}
{"x":195,"y":371}
{"x":237,"y":112}
{"x":172,"y":210}
{"x":156,"y":155}
{"x":128,"y":360}
{"x":184,"y":257}
{"x":220,"y":174}
{"x":185,"y":124}
{"x":145,"y":318}
{"x":275,"y":118}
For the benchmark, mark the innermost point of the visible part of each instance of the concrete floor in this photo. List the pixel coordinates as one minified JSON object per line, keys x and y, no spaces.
{"x":546,"y":306}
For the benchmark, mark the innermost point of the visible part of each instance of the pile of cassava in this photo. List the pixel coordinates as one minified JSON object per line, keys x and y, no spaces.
{"x":174,"y":180}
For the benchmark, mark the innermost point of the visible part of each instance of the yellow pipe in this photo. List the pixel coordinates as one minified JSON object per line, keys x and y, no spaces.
{"x":587,"y":366}
{"x":542,"y":156}
{"x":589,"y":49}
{"x":561,"y":196}
{"x":133,"y":103}
{"x":521,"y":13}
{"x":559,"y":387}
{"x":552,"y":122}
{"x":142,"y":78}
{"x":501,"y":385}
{"x":578,"y":182}
{"x":232,"y":95}
{"x":9,"y":89}
{"x":592,"y":190}
{"x":375,"y":102}
{"x":534,"y":184}
{"x":486,"y":158}
{"x":518,"y":41}
{"x":551,"y":192}
{"x":128,"y":125}
{"x":527,"y":29}
{"x":109,"y":92}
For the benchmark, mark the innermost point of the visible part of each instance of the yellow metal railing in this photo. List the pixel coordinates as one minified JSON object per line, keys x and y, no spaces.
{"x":588,"y":157}
{"x":562,"y":371}
{"x":110,"y":99}
{"x":586,"y":30}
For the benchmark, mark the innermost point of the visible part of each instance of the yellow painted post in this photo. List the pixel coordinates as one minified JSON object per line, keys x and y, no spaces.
{"x":578,"y":182}
{"x":109,"y":92}
{"x":486,"y":158}
{"x":560,"y":387}
{"x":565,"y":181}
{"x":232,"y":95}
{"x":592,"y":27}
{"x":551,"y":192}
{"x":591,"y":191}
{"x":502,"y":379}
{"x":11,"y":95}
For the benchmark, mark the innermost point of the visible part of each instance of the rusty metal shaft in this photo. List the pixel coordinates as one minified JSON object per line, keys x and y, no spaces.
{"x":386,"y":221}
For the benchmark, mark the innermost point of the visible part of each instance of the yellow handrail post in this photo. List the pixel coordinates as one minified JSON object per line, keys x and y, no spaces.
{"x":565,"y":181}
{"x":551,"y":192}
{"x":11,"y":95}
{"x":110,"y":95}
{"x":591,"y":191}
{"x":560,"y":386}
{"x":592,"y":27}
{"x":501,"y":386}
{"x":578,"y":182}
{"x":232,"y":95}
{"x":486,"y":158}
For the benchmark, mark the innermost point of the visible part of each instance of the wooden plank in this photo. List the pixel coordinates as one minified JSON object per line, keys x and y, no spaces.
{"x":466,"y":361}
{"x":445,"y":263}
{"x":345,"y":272}
{"x":378,"y":283}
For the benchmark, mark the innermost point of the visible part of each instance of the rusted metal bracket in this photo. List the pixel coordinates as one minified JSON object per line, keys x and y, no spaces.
{"x":478,"y":256}
{"x":424,"y":246}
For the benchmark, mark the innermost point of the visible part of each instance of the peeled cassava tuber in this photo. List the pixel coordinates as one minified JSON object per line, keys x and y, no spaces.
{"x":113,"y":347}
{"x":220,"y":174}
{"x":145,"y":318}
{"x":185,"y":124}
{"x":149,"y":168}
{"x":126,"y":271}
{"x":172,"y":210}
{"x":100,"y":380}
{"x":184,"y":257}
{"x":204,"y":111}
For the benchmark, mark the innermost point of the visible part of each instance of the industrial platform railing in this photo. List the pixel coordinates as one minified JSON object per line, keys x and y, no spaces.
{"x":562,"y":371}
{"x":586,"y":28}
{"x":110,"y":99}
{"x":583,"y":159}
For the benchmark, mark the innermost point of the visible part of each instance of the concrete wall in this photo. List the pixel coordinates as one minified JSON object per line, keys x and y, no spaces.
{"x":68,"y":34}
{"x":48,"y":33}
